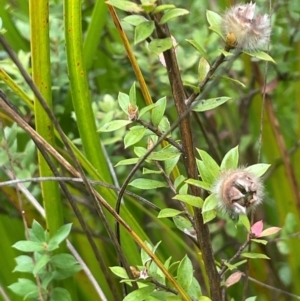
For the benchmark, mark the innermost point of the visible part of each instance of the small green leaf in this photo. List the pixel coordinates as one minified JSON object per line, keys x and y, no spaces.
{"x":168,"y":212}
{"x":140,"y":294}
{"x":182,"y":223}
{"x":38,"y":231}
{"x":209,"y":215}
{"x":234,"y":266}
{"x":63,"y":261}
{"x":164,"y":125}
{"x":135,"y":134}
{"x":147,"y":184}
{"x":163,"y":7}
{"x":119,"y":271}
{"x":134,"y":20}
{"x":60,"y":235}
{"x":24,"y":264}
{"x":233,"y":80}
{"x":189,"y":199}
{"x":185,"y":273}
{"x":147,"y":171}
{"x":61,"y":294}
{"x":170,"y":164}
{"x":201,"y":184}
{"x":140,"y":151}
{"x":143,"y":31}
{"x":130,"y":161}
{"x":258,"y":169}
{"x":261,"y":55}
{"x":209,"y":104}
{"x":159,"y":111}
{"x":25,"y":287}
{"x":160,"y":45}
{"x":205,"y":174}
{"x":231,"y":159}
{"x":254,"y":255}
{"x":210,"y":163}
{"x":114,"y":125}
{"x":29,"y":246}
{"x":251,"y":298}
{"x":125,"y":5}
{"x":123,"y":100}
{"x":198,"y":48}
{"x":40,"y":264}
{"x":173,"y":13}
{"x":165,"y":154}
{"x":210,"y":202}
{"x":215,"y":22}
{"x":147,"y":109}
{"x":203,"y":69}
{"x":260,"y":241}
{"x":132,"y":94}
{"x":194,"y":291}
{"x":243,"y":219}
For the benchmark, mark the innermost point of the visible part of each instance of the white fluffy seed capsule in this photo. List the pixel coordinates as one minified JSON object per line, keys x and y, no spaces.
{"x":238,"y":191}
{"x":250,"y":32}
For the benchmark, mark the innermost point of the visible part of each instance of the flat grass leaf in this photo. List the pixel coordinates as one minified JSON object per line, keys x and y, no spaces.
{"x":147,"y":109}
{"x":215,"y":22}
{"x":269,"y":231}
{"x":114,"y":125}
{"x":29,"y":246}
{"x":119,"y":271}
{"x":134,"y":20}
{"x":209,"y":104}
{"x":140,"y":294}
{"x":185,"y":273}
{"x":233,"y":278}
{"x":261,"y":55}
{"x":231,"y":159}
{"x":198,"y":48}
{"x":210,"y":163}
{"x":258,"y":169}
{"x":159,"y":111}
{"x":254,"y":255}
{"x":147,"y":184}
{"x":173,"y":13}
{"x":203,"y":69}
{"x":163,"y":7}
{"x":125,"y":5}
{"x":143,"y":31}
{"x":189,"y":199}
{"x":201,"y":184}
{"x":134,"y":135}
{"x":130,"y":161}
{"x":160,"y":45}
{"x":168,"y":212}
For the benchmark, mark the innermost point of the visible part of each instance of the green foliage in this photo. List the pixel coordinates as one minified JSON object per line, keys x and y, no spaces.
{"x":43,"y":264}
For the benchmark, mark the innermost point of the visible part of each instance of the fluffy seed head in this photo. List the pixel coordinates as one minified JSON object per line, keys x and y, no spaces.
{"x":238,"y":191}
{"x":251,"y":32}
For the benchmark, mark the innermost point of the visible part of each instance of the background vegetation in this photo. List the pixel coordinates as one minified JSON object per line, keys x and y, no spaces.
{"x":76,"y":57}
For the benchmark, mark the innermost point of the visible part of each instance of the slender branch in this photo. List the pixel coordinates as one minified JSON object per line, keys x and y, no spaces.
{"x":159,"y":133}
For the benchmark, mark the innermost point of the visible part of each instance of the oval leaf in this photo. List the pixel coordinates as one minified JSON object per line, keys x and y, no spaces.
{"x":173,"y":13}
{"x":134,"y":135}
{"x":231,"y":159}
{"x":260,"y":55}
{"x":254,"y":255}
{"x":189,"y":199}
{"x":258,"y":169}
{"x":147,"y":184}
{"x":185,"y":273}
{"x":201,"y":184}
{"x":269,"y":231}
{"x":140,"y":294}
{"x":233,"y":278}
{"x":215,"y":22}
{"x":198,"y":48}
{"x":125,"y":5}
{"x":114,"y":125}
{"x":168,"y":212}
{"x":209,"y":104}
{"x":210,"y":202}
{"x":143,"y":31}
{"x":203,"y":69}
{"x":160,"y":45}
{"x":159,"y":111}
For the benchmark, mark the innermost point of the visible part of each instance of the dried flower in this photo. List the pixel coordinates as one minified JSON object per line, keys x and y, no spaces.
{"x":238,"y":191}
{"x":243,"y":30}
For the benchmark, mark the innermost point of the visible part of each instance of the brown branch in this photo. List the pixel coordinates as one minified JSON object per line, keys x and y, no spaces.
{"x":178,"y":92}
